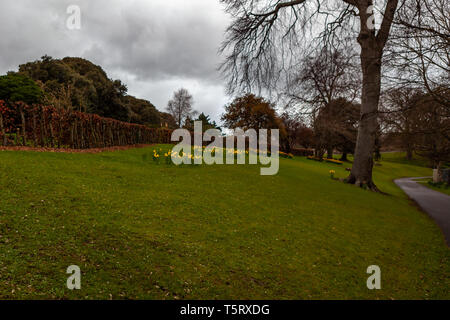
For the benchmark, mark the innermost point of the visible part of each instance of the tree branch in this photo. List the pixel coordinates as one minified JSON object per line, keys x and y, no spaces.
{"x":388,"y":17}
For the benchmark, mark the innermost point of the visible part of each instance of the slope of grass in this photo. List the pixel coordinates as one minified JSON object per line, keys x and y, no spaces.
{"x":142,"y":230}
{"x":440,"y":188}
{"x":400,"y":158}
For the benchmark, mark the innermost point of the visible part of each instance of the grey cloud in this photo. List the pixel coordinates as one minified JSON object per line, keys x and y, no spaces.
{"x":154,"y":46}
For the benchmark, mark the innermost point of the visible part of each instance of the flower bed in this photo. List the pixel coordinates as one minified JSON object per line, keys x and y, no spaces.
{"x":286,"y":155}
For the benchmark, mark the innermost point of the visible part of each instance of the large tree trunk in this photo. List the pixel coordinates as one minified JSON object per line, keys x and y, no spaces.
{"x":361,"y":174}
{"x":408,"y":144}
{"x":407,"y":139}
{"x":330,"y":153}
{"x":372,"y":46}
{"x":409,"y":153}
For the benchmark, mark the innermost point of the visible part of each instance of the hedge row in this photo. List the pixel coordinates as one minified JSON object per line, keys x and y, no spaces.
{"x":45,"y":126}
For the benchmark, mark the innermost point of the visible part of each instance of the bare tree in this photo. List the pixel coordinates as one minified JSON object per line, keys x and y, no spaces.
{"x":433,"y":134}
{"x":264,"y":34}
{"x":420,"y":122}
{"x":325,"y":75}
{"x":336,"y":127}
{"x":295,"y":131}
{"x":420,"y":48}
{"x":399,"y":116}
{"x":180,"y":107}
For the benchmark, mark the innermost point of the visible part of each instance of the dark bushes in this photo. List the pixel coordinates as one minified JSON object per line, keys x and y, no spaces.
{"x":302,"y":152}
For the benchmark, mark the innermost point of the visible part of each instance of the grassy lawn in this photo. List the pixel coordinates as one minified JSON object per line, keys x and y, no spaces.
{"x":142,"y":230}
{"x":399,"y":157}
{"x":443,"y":188}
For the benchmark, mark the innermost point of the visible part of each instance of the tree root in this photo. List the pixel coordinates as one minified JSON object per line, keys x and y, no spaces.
{"x":366,"y":185}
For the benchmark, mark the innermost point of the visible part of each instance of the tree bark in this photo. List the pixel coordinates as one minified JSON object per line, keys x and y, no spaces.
{"x":408,"y":143}
{"x":329,"y":153}
{"x":372,"y":46}
{"x":409,"y":153}
{"x":361,"y":174}
{"x":320,"y":154}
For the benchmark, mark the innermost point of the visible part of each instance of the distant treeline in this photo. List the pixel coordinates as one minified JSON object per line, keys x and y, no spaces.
{"x":79,"y":85}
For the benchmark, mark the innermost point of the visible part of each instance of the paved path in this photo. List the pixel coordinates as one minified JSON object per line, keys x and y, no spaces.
{"x":435,"y":203}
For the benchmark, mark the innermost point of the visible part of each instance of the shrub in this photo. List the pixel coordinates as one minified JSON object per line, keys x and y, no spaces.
{"x":15,"y":87}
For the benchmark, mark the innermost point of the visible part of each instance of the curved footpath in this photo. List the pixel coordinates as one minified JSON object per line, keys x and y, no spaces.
{"x":435,"y":203}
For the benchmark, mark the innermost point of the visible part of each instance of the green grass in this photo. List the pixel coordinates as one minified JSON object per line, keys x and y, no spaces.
{"x":142,"y":230}
{"x":400,"y":158}
{"x":442,"y":188}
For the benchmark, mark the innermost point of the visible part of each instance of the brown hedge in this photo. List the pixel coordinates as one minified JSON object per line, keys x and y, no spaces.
{"x":46,"y":126}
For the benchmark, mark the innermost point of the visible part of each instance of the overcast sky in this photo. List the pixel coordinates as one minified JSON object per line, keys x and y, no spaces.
{"x":154,"y":46}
